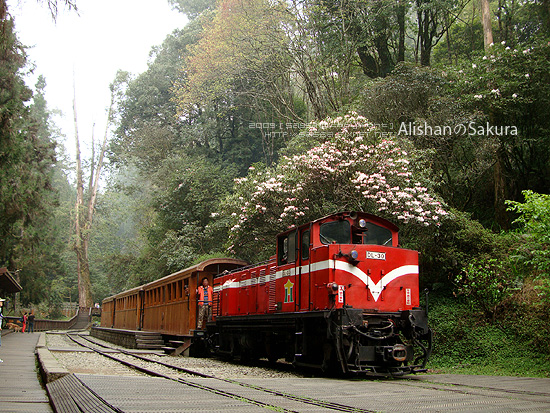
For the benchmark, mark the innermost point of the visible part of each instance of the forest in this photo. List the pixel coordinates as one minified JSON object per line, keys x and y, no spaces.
{"x":258,"y":115}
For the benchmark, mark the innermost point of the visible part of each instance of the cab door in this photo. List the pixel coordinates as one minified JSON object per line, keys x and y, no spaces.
{"x":303,"y":270}
{"x":287,"y":272}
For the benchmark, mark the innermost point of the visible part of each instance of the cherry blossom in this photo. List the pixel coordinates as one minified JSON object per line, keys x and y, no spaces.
{"x":342,"y":173}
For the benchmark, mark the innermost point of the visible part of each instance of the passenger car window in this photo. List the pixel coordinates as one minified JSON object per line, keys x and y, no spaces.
{"x":336,"y":232}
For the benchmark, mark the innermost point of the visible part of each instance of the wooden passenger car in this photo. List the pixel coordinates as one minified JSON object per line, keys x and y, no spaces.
{"x":167,"y":305}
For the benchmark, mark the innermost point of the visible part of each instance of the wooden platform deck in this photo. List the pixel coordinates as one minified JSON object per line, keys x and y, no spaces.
{"x":20,"y":388}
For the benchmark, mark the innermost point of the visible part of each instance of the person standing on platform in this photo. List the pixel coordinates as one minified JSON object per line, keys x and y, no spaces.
{"x":1,"y":320}
{"x":30,"y":321}
{"x":24,"y":319}
{"x":205,"y":293}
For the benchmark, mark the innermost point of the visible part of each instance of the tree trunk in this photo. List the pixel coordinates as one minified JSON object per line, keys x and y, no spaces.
{"x":486,"y":20}
{"x":449,"y":49}
{"x":401,"y":25}
{"x":500,"y":193}
{"x":424,"y":36}
{"x":81,"y":247}
{"x":84,"y":283}
{"x":425,"y":53}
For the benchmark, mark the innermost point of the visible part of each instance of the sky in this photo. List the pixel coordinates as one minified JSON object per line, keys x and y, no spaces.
{"x":90,"y":46}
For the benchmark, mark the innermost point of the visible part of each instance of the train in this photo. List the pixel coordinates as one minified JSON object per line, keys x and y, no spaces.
{"x":339,"y":295}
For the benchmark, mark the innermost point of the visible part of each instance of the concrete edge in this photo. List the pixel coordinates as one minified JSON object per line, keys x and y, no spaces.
{"x":41,"y":341}
{"x":50,"y":369}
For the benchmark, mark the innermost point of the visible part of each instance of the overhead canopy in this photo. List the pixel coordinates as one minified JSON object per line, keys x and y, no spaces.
{"x":7,"y":282}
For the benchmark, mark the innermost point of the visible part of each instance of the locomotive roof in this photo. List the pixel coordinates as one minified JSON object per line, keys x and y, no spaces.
{"x":375,"y":218}
{"x":202,"y":266}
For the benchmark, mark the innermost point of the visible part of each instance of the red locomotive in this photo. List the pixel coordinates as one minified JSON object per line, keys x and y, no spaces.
{"x":339,"y":294}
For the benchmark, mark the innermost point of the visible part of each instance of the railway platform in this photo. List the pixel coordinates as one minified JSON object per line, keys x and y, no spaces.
{"x":430,"y":393}
{"x":20,"y":387}
{"x":21,"y":390}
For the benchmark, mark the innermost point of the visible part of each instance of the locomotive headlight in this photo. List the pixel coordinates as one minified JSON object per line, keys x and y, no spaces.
{"x":354,"y":254}
{"x":399,"y":352}
{"x":334,"y":287}
{"x":362,"y":223}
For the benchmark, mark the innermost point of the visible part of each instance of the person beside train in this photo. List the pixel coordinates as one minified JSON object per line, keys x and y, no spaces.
{"x":24,"y":320}
{"x":1,"y":320}
{"x":205,"y":294}
{"x":30,"y":322}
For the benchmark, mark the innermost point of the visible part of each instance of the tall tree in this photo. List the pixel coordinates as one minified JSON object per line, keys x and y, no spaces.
{"x":85,"y":215}
{"x":26,"y":154}
{"x":487,"y":25}
{"x":192,"y":8}
{"x":434,"y":17}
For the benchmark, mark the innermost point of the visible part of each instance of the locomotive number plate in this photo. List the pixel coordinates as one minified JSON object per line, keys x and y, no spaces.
{"x":373,"y":255}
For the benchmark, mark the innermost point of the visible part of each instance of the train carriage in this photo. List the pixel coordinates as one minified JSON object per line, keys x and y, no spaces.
{"x":167,"y":305}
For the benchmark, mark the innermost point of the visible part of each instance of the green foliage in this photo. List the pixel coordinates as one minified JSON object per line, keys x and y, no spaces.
{"x":461,"y":164}
{"x":458,"y":242}
{"x":418,"y":90}
{"x":488,"y":283}
{"x":148,"y":130}
{"x":192,"y":8}
{"x":510,"y":87}
{"x":58,"y":293}
{"x":465,"y":39}
{"x":466,"y":344}
{"x":187,"y":207}
{"x":534,"y":218}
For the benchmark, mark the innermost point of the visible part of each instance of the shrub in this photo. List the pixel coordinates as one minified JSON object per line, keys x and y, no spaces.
{"x":534,"y":218}
{"x":488,"y":283}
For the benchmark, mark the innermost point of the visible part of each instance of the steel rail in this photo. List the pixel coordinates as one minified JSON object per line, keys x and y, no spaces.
{"x":305,"y":400}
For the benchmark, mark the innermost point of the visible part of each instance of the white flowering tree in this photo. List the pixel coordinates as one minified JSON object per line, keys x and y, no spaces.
{"x":510,"y":87}
{"x":349,"y":167}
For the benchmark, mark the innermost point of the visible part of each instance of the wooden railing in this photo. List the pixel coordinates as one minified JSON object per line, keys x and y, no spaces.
{"x":44,"y":325}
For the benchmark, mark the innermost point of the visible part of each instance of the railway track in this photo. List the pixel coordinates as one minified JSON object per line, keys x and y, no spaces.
{"x":422,"y":393}
{"x":470,"y":389}
{"x":153,"y":370}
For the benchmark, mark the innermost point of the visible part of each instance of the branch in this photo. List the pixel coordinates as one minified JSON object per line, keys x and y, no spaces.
{"x":79,"y":181}
{"x":93,"y":194}
{"x":92,"y":162}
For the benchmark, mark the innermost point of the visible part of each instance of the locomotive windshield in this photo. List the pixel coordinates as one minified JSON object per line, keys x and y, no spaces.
{"x":336,"y":232}
{"x":340,"y":232}
{"x":375,"y":235}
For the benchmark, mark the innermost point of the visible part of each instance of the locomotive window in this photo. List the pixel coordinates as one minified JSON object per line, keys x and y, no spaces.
{"x":286,"y":248}
{"x":305,"y":245}
{"x":377,"y":235}
{"x":336,"y":232}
